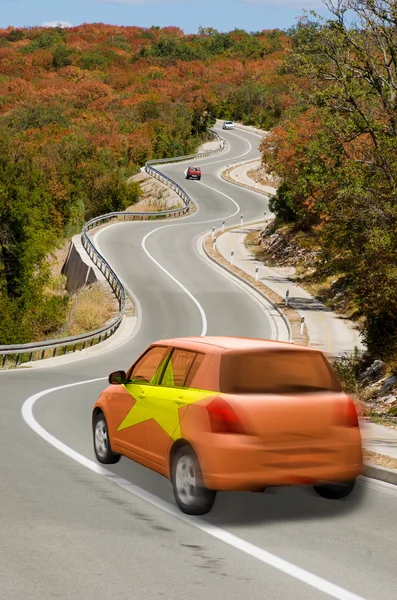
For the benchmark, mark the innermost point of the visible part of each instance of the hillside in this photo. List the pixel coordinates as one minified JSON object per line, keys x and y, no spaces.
{"x":82,"y":109}
{"x":334,"y":151}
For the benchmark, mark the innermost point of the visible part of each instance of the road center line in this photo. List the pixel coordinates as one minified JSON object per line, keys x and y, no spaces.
{"x":151,"y":257}
{"x":228,"y":538}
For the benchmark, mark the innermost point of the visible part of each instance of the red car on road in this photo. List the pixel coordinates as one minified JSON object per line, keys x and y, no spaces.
{"x":193,"y":173}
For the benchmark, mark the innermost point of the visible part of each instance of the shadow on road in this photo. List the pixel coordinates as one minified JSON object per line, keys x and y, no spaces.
{"x":247,"y":508}
{"x":280,"y":505}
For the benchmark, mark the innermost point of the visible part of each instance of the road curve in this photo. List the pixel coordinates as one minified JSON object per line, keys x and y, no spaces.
{"x":71,"y":529}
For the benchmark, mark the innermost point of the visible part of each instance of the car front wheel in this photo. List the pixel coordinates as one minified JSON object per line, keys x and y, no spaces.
{"x":102,"y":448}
{"x":335,"y":491}
{"x":191,"y":495}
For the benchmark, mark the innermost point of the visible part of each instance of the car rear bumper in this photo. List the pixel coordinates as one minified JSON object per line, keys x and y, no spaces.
{"x":244,"y":463}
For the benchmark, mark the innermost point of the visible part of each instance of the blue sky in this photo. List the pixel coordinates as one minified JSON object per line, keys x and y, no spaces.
{"x":224,"y":15}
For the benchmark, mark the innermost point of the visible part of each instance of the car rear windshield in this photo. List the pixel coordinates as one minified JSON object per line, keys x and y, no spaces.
{"x":283,"y":371}
{"x":195,"y":168}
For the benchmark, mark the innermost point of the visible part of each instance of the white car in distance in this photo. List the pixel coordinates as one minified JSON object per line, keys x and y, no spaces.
{"x":228,"y":125}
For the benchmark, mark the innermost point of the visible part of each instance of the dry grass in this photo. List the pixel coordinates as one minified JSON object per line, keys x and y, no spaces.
{"x":262,"y":178}
{"x":90,"y":308}
{"x":156,"y":196}
{"x":57,"y":261}
{"x":291,"y":314}
{"x":379,"y":459}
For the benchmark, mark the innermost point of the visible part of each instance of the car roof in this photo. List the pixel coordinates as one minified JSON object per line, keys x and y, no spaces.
{"x":196,"y":168}
{"x":232,"y":343}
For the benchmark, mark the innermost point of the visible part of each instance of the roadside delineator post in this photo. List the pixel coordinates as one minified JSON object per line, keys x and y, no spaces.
{"x":232,"y":257}
{"x":264,"y":214}
{"x":302,"y":325}
{"x":214,"y":246}
{"x":213,"y":233}
{"x":242,"y":220}
{"x":287,"y":298}
{"x":223,"y":225}
{"x":256,"y":273}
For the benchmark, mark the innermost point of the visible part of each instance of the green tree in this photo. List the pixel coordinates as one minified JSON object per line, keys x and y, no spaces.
{"x":61,"y":57}
{"x":349,"y":71}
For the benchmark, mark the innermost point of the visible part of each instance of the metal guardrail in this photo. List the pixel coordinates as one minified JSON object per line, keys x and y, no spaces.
{"x":38,"y":350}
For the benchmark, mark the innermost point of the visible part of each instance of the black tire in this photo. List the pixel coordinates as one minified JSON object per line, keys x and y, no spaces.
{"x":197,"y":500}
{"x":102,"y":447}
{"x":335,"y":491}
{"x":199,"y":178}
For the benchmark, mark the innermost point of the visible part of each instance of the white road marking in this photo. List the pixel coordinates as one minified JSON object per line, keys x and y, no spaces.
{"x":196,"y":302}
{"x":228,"y":538}
{"x":216,"y":162}
{"x":260,"y":301}
{"x":193,"y":298}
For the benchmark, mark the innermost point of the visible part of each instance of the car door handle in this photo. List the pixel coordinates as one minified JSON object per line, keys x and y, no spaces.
{"x":142,"y":395}
{"x":179,"y":401}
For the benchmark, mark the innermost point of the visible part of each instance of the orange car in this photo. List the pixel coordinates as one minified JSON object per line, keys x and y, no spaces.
{"x":227,"y":413}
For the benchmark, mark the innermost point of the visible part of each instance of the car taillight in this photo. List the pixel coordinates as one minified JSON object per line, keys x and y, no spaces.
{"x":222,"y":417}
{"x":346,"y":414}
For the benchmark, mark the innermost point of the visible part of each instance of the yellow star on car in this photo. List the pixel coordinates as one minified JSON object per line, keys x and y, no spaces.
{"x":166,"y":414}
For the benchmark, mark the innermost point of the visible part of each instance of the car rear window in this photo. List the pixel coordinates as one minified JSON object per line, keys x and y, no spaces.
{"x":195,"y":168}
{"x":283,"y":371}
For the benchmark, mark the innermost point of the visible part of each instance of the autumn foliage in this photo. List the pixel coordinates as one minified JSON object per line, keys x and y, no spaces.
{"x":83,"y":108}
{"x":335,"y":149}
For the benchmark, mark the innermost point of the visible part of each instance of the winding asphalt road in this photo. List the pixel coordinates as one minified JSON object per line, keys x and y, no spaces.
{"x":74,"y":530}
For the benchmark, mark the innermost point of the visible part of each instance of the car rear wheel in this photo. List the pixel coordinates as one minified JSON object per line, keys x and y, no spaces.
{"x":191,"y":495}
{"x":102,"y":448}
{"x":335,"y":491}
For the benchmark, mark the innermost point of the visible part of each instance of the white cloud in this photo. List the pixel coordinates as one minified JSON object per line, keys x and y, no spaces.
{"x":57,"y":24}
{"x":291,"y":3}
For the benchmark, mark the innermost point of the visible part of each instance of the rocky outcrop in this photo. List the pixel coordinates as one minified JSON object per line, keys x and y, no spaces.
{"x":380,"y":389}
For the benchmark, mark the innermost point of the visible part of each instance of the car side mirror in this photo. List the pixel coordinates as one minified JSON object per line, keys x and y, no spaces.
{"x":117,"y":378}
